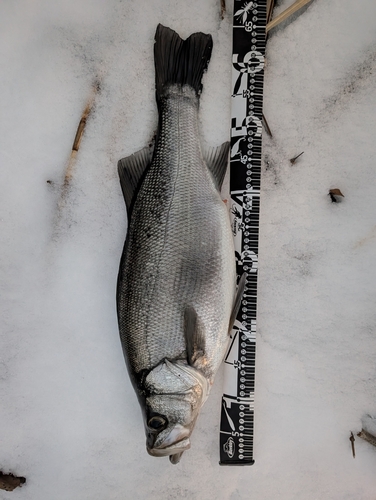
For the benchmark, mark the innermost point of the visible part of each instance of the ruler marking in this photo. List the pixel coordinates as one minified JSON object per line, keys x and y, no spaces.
{"x":237,"y":414}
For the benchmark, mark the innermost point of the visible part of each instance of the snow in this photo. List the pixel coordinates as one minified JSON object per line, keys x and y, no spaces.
{"x":70,"y":422}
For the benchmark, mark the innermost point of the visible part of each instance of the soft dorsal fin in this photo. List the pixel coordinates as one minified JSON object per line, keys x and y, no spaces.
{"x":131,"y":170}
{"x":194,"y":338}
{"x":216,"y":160}
{"x":237,"y":301}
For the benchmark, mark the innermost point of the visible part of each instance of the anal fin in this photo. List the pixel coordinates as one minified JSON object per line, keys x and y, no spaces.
{"x":237,"y":301}
{"x":216,"y":160}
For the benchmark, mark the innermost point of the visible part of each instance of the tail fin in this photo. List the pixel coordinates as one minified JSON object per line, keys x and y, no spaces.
{"x":180,"y":61}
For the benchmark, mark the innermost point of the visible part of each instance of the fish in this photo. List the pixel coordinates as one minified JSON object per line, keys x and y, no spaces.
{"x":176,"y":291}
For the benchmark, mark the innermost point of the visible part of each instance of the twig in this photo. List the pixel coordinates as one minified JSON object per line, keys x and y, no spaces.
{"x":269,"y":10}
{"x":266,"y":126}
{"x":367,"y":437}
{"x":286,"y":13}
{"x":352,"y":439}
{"x":293,"y":160}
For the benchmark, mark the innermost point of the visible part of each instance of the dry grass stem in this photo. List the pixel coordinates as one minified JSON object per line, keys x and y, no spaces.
{"x":269,"y":10}
{"x":79,"y":133}
{"x":286,"y":13}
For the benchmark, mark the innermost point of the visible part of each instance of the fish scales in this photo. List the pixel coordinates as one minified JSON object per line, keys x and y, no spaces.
{"x":180,"y":246}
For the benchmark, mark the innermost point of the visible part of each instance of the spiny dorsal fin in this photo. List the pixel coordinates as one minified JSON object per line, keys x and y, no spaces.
{"x":131,"y":170}
{"x":194,"y":338}
{"x":237,"y":301}
{"x":216,"y":160}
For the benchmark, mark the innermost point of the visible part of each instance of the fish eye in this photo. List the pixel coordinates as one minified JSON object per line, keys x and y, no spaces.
{"x":157,"y":423}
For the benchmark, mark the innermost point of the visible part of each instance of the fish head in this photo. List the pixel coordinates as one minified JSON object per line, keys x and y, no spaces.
{"x":176,"y":393}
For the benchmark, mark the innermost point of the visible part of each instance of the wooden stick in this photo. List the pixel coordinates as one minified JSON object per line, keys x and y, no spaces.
{"x":286,"y":13}
{"x":269,"y":10}
{"x":367,"y":436}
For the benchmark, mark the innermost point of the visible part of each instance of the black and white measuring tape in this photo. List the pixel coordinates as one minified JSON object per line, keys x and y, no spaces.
{"x":237,"y":412}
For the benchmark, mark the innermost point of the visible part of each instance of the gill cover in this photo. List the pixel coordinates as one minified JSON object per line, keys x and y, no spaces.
{"x":176,"y":393}
{"x":177,"y":378}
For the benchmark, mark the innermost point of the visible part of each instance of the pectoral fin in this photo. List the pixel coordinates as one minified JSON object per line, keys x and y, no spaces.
{"x":194,"y":338}
{"x":131,"y":169}
{"x":238,"y":300}
{"x":216,"y":160}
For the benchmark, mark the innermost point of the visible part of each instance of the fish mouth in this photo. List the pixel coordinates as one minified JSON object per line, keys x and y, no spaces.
{"x":170,"y":442}
{"x":174,"y":449}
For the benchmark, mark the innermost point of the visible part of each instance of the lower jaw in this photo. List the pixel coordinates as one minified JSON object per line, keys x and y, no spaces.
{"x":171,"y":450}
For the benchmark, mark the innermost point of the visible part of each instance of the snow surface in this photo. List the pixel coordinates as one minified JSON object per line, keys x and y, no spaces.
{"x":69,"y":420}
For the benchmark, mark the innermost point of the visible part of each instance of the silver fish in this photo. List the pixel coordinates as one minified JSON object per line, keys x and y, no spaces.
{"x":177,"y":282}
